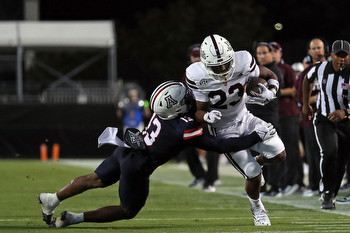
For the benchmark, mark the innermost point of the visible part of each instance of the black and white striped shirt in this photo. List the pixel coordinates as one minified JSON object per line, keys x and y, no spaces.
{"x":334,"y":87}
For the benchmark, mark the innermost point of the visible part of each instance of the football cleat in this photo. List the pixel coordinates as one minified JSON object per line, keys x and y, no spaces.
{"x":345,"y":200}
{"x":196,"y":182}
{"x":49,"y":202}
{"x":209,"y":189}
{"x":328,"y":201}
{"x":63,"y":221}
{"x":260,"y":217}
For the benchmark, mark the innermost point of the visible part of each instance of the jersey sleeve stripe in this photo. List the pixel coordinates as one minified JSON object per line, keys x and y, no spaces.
{"x":191,"y":84}
{"x":191,"y":133}
{"x":251,"y":70}
{"x":252,"y":64}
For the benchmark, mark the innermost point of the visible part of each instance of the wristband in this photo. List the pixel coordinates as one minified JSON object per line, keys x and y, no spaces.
{"x":347,"y":113}
{"x":273,"y":82}
{"x":206,"y":116}
{"x":273,"y":90}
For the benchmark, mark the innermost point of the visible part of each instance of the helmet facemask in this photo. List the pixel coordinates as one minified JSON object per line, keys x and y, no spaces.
{"x":221,"y":70}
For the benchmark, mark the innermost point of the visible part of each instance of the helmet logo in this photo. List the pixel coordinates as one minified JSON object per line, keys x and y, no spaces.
{"x":203,"y":82}
{"x":170,"y":102}
{"x":229,"y":47}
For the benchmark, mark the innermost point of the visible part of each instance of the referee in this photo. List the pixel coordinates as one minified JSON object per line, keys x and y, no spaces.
{"x":332,"y":124}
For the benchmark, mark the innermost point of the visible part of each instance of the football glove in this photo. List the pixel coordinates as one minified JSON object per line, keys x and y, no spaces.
{"x":265,"y":130}
{"x":262,"y":98}
{"x":212,"y":117}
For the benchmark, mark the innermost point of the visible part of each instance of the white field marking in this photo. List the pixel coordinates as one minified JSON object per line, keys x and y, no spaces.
{"x":90,"y":163}
{"x":328,"y":226}
{"x":314,"y":222}
{"x":320,"y":223}
{"x":16,"y":220}
{"x":300,"y":202}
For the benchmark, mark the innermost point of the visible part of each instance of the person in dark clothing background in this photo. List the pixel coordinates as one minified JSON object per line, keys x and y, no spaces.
{"x":289,"y":124}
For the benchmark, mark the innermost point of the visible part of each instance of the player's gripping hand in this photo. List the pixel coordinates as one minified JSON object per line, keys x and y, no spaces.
{"x":265,"y":130}
{"x":212,"y":117}
{"x":264,"y":96}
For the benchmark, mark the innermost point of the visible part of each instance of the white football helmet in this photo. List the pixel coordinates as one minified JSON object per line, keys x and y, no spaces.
{"x":218,"y":57}
{"x":170,"y":99}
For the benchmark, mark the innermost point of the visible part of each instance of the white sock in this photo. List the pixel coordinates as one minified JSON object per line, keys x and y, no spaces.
{"x":256,"y":203}
{"x":74,"y":218}
{"x":55,"y":199}
{"x":79,"y":217}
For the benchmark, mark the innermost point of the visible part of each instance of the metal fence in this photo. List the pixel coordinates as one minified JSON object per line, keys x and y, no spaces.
{"x":86,"y":92}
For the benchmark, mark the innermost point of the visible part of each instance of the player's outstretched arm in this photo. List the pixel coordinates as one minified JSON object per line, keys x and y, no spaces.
{"x":221,"y":145}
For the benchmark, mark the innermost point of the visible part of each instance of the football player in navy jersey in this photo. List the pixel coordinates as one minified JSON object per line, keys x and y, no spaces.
{"x":170,"y":129}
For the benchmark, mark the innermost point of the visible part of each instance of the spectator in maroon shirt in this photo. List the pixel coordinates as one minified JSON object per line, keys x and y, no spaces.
{"x":317,"y":50}
{"x":289,"y":124}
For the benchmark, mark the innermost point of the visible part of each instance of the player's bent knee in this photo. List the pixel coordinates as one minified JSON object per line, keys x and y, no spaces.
{"x":129,"y":214}
{"x":277,"y":159}
{"x":252,"y":169}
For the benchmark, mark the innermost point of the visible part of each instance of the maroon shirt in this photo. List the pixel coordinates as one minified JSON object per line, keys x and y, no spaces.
{"x":287,"y":104}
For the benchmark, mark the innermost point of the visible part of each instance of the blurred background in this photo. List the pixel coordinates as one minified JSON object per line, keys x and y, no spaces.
{"x":66,"y":66}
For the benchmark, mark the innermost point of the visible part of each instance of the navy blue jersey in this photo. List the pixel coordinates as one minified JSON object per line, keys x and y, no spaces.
{"x":166,"y":138}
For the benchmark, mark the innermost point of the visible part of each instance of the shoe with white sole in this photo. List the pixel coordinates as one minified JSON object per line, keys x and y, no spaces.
{"x":260,"y":216}
{"x":196,"y":182}
{"x":328,"y":201}
{"x":49,"y":202}
{"x":209,"y":189}
{"x":310,"y":193}
{"x":64,"y":220}
{"x":345,"y":200}
{"x":290,"y":189}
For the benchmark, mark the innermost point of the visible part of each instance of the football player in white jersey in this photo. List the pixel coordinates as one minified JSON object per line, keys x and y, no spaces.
{"x":218,"y":83}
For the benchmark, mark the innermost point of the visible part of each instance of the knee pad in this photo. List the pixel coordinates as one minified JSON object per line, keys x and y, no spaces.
{"x":252,"y":169}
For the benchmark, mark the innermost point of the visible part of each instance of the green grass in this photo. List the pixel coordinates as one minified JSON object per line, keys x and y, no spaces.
{"x":171,"y":206}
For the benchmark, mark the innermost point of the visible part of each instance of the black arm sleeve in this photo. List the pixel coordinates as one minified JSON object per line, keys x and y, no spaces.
{"x":220,"y":145}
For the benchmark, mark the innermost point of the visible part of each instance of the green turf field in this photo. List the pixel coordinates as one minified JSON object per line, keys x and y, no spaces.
{"x":171,"y":207}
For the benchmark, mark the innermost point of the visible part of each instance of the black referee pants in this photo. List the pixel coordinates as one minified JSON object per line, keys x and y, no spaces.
{"x":334,"y":142}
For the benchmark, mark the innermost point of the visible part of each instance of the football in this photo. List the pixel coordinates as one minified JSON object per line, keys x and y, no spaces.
{"x":252,"y":85}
